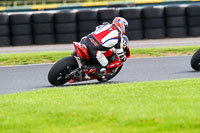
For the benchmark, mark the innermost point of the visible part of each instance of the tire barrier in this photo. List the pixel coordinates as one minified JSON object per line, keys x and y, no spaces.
{"x":107,"y":14}
{"x":71,"y":25}
{"x":4,"y":30}
{"x":193,"y":19}
{"x":175,"y":21}
{"x":134,"y":18}
{"x":87,"y":21}
{"x":65,"y":26}
{"x":154,"y":22}
{"x":43,"y":28}
{"x":20,"y":29}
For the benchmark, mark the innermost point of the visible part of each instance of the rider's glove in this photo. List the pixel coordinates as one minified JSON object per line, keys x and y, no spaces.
{"x":122,"y":58}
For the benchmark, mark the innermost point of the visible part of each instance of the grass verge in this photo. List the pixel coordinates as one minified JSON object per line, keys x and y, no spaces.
{"x":160,"y":106}
{"x":50,"y":57}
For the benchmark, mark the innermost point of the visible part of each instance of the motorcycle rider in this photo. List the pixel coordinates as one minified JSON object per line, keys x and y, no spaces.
{"x":104,"y":38}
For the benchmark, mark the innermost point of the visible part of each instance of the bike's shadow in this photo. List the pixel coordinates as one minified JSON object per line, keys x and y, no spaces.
{"x":88,"y":83}
{"x":85,"y":83}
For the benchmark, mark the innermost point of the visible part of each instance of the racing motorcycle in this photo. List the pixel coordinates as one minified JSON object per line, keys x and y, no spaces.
{"x":71,"y":69}
{"x":195,"y":61}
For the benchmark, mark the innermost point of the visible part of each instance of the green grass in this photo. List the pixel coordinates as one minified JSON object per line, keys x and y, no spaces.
{"x":50,"y":57}
{"x":164,"y":51}
{"x":146,"y":107}
{"x":31,"y":58}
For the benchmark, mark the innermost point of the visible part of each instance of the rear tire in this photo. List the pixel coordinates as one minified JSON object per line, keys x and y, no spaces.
{"x":195,"y":61}
{"x":55,"y":76}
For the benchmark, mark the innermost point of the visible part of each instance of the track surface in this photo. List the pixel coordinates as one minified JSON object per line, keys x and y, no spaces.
{"x":133,"y":44}
{"x":26,"y":78}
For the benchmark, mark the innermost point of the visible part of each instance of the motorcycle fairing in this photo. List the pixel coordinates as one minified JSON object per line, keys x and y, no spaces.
{"x":115,"y":64}
{"x":81,"y":50}
{"x":108,"y":53}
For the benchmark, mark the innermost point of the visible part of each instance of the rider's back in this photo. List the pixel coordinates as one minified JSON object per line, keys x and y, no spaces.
{"x":106,"y":35}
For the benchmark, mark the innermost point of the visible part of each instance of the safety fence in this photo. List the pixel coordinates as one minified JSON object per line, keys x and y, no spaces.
{"x":32,"y":5}
{"x":8,"y":3}
{"x":68,"y":26}
{"x":66,"y":6}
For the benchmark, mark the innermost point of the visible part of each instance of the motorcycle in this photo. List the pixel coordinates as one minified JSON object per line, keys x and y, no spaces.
{"x":195,"y":61}
{"x":71,"y":69}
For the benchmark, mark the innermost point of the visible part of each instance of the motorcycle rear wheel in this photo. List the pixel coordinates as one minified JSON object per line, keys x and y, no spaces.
{"x":57,"y":73}
{"x":109,"y":77}
{"x":195,"y":61}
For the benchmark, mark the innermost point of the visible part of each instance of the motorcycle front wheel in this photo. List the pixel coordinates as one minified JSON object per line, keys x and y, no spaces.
{"x":57,"y":73}
{"x":110,"y":76}
{"x":195,"y":61}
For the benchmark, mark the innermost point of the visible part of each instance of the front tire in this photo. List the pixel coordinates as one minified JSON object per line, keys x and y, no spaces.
{"x":109,"y":77}
{"x":58,"y":71}
{"x":195,"y":61}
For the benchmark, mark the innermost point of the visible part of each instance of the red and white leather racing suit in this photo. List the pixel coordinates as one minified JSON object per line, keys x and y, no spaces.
{"x":105,"y":37}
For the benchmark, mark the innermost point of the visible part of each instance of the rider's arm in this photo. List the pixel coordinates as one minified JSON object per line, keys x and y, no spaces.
{"x":99,"y":26}
{"x":120,"y":51}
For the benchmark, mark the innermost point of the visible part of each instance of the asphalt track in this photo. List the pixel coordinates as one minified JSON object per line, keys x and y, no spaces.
{"x":30,"y":77}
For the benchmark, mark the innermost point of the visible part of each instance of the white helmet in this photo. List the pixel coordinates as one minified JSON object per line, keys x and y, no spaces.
{"x":121,"y":23}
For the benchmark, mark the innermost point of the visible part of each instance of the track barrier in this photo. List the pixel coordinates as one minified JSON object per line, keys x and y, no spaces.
{"x":66,"y":26}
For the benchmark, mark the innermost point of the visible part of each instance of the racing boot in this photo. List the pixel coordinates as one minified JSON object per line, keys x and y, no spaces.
{"x":91,"y":70}
{"x":102,"y":70}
